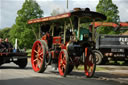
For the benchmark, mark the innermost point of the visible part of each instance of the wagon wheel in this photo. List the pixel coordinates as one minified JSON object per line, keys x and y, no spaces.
{"x":38,"y":57}
{"x":63,"y":63}
{"x":90,"y":63}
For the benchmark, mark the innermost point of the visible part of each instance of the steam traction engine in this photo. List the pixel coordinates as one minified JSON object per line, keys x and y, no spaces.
{"x":64,"y":42}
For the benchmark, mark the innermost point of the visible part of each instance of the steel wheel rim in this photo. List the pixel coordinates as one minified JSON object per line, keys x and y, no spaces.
{"x":62,"y":63}
{"x":37,"y":56}
{"x":89,"y":65}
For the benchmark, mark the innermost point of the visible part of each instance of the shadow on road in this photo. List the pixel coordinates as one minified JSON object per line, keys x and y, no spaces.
{"x":56,"y":81}
{"x":13,"y":67}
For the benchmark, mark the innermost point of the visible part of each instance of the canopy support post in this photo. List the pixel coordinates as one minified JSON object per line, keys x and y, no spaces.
{"x":93,"y":30}
{"x":65,"y":32}
{"x":78,"y":29}
{"x":52,"y":28}
{"x":71,"y":24}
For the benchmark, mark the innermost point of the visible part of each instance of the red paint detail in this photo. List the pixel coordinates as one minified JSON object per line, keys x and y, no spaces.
{"x":65,"y":15}
{"x":111,"y":24}
{"x":63,"y":46}
{"x":57,"y":40}
{"x":123,"y":24}
{"x":86,"y":51}
{"x":4,"y":54}
{"x":53,"y":56}
{"x":97,"y":24}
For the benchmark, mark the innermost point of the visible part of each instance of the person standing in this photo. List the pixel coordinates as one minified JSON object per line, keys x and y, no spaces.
{"x":2,"y":47}
{"x":8,"y":45}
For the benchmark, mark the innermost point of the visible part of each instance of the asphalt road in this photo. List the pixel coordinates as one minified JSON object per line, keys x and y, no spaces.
{"x":10,"y":74}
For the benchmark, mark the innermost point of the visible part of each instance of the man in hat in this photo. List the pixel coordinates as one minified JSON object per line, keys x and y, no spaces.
{"x":2,"y":46}
{"x":8,"y":45}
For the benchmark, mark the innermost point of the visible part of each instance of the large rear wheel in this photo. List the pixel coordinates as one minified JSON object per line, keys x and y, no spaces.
{"x":90,"y":63}
{"x":38,"y":57}
{"x":63,"y":63}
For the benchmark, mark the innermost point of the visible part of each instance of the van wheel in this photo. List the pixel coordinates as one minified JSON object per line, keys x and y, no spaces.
{"x":98,"y":58}
{"x":22,"y":63}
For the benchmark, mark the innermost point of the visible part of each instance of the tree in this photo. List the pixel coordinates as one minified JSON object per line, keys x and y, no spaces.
{"x":26,"y":33}
{"x":108,"y":8}
{"x":4,"y":33}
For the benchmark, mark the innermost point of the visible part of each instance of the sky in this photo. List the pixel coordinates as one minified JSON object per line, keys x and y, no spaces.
{"x":9,"y":8}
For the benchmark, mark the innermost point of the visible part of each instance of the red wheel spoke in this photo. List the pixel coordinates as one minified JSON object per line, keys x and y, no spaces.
{"x":88,"y":68}
{"x":61,"y":62}
{"x":64,"y":66}
{"x":36,"y":66}
{"x":35,"y":60}
{"x":39,"y":47}
{"x":40,"y":53}
{"x":41,"y":58}
{"x":64,"y":62}
{"x":38,"y":63}
{"x":36,"y":56}
{"x":91,"y":68}
{"x":35,"y":51}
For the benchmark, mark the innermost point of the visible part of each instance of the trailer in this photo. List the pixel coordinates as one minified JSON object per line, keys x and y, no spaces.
{"x":8,"y":54}
{"x":111,"y":47}
{"x":19,"y":58}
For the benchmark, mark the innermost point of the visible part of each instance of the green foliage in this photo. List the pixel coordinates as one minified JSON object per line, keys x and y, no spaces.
{"x":4,"y":33}
{"x":24,"y":32}
{"x":108,"y":8}
{"x":85,"y":25}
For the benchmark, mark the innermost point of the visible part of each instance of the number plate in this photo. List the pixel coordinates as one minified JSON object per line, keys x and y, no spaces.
{"x":117,"y":50}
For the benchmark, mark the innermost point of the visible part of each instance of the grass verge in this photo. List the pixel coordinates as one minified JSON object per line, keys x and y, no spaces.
{"x":81,"y":67}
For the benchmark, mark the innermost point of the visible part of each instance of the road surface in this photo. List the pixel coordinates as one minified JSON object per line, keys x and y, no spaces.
{"x":10,"y":74}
